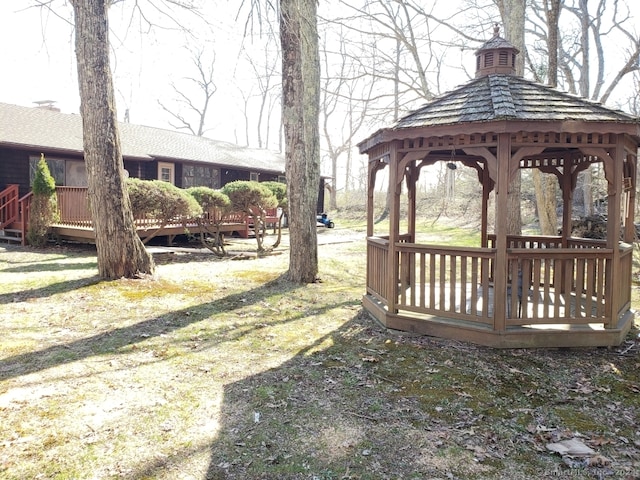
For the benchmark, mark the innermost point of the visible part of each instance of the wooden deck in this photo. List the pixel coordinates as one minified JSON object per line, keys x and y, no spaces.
{"x":75,"y":222}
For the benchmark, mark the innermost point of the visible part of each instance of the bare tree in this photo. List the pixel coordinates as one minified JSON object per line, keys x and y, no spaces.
{"x":196,"y":108}
{"x":300,"y":106}
{"x":120,"y":251}
{"x":266,"y":79}
{"x":345,"y":98}
{"x":584,"y":50}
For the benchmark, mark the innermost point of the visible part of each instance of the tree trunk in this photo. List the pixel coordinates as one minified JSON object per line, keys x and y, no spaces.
{"x":545,"y":189}
{"x":120,"y":251}
{"x":513,"y":17}
{"x":552,"y":13}
{"x":300,"y":116}
{"x":545,"y":186}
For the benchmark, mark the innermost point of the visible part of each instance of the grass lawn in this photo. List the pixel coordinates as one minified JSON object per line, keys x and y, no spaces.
{"x":218,"y":369}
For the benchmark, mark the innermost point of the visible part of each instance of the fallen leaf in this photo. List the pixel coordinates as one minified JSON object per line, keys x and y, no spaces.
{"x":571,"y":447}
{"x":599,"y":461}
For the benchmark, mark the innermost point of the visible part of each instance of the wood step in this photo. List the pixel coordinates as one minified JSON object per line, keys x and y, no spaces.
{"x":11,"y":235}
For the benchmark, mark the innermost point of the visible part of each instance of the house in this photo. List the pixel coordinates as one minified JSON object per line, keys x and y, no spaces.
{"x":149,"y":153}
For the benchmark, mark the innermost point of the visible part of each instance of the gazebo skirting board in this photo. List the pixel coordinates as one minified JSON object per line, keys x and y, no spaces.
{"x":556,"y":297}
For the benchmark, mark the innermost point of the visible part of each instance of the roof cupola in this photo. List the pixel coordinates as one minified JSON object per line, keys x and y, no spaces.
{"x":496,"y":56}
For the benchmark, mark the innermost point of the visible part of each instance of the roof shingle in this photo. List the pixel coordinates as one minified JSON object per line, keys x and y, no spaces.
{"x":41,"y":128}
{"x":499,"y":97}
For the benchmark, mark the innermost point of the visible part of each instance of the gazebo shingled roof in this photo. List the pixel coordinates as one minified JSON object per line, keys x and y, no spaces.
{"x":507,"y":97}
{"x":512,"y":290}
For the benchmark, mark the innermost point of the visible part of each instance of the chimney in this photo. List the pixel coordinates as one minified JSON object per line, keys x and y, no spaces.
{"x":47,"y":105}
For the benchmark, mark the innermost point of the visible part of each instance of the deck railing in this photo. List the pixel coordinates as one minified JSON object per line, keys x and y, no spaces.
{"x":73,"y":209}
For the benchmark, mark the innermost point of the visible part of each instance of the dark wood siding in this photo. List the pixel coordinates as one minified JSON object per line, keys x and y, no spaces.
{"x":14,"y":169}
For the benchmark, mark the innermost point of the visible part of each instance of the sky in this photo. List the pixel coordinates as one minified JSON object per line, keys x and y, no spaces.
{"x":38,"y":61}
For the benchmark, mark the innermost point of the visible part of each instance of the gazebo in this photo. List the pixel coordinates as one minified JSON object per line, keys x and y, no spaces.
{"x":512,"y":290}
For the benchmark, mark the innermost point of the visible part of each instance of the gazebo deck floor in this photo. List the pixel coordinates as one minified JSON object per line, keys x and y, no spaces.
{"x":561,"y":305}
{"x":533,"y":328}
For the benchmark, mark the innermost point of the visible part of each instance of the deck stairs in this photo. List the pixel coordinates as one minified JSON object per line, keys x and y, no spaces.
{"x":11,"y":235}
{"x":11,"y":216}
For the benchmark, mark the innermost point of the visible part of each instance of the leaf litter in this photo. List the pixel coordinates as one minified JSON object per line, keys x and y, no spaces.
{"x":221,"y":370}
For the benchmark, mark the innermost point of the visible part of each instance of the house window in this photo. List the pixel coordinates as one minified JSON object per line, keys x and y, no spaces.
{"x":166,"y":172}
{"x":282,"y":179}
{"x":76,"y":174}
{"x":254,"y":176}
{"x":200,"y":176}
{"x":56,"y":168}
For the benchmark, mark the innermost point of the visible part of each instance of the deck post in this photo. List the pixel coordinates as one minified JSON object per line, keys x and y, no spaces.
{"x":501,"y":267}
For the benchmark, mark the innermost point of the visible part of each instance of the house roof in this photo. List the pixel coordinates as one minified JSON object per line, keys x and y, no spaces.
{"x":498,"y":97}
{"x":41,"y":128}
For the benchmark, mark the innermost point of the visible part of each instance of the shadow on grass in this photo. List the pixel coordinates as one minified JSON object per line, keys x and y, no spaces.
{"x":51,"y":266}
{"x":327,"y":413}
{"x":52,"y":289}
{"x":113,"y":340}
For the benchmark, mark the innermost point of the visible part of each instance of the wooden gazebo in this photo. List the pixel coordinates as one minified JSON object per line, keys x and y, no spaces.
{"x":512,"y":290}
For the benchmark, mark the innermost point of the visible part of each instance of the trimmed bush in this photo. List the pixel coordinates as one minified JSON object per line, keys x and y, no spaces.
{"x":209,"y":198}
{"x":44,"y":207}
{"x":280,"y":191}
{"x":246,"y":194}
{"x":155,"y":199}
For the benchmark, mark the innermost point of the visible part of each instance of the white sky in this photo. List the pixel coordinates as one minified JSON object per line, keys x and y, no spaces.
{"x":38,"y":61}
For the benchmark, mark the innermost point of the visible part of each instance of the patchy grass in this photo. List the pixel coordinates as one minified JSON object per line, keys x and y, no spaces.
{"x":219,"y":369}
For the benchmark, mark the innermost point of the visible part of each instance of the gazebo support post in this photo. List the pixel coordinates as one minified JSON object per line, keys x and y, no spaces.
{"x":567,"y":200}
{"x":372,"y":173}
{"x":486,"y":190}
{"x":501,"y":267}
{"x":412,"y":182}
{"x":393,"y":263}
{"x":614,"y":216}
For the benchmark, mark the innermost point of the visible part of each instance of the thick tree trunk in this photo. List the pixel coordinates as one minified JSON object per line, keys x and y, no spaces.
{"x":545,"y":190}
{"x":300,"y":116}
{"x":120,"y":251}
{"x":513,"y":17}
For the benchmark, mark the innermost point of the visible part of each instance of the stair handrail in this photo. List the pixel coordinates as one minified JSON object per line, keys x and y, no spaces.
{"x":8,"y":205}
{"x":24,"y":207}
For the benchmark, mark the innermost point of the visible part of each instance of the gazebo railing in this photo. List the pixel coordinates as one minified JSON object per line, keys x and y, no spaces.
{"x":546,"y":285}
{"x":558,"y":286}
{"x":377,"y":268}
{"x":445,"y":281}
